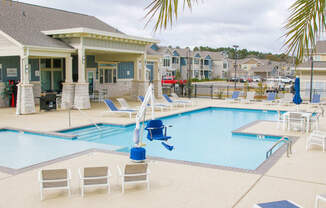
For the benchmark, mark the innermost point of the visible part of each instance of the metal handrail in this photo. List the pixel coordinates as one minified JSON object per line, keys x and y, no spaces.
{"x":85,"y":115}
{"x":288,"y":147}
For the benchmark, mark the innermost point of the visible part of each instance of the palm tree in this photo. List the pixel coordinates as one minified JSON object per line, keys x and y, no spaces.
{"x":165,"y":11}
{"x":306,"y":21}
{"x":304,"y":25}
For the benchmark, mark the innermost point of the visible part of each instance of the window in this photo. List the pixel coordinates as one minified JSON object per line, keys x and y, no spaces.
{"x":175,"y":60}
{"x":196,"y":60}
{"x":110,"y":76}
{"x":57,"y":63}
{"x":225,"y":65}
{"x":126,"y":70}
{"x":206,"y":62}
{"x":46,"y":63}
{"x":166,"y":61}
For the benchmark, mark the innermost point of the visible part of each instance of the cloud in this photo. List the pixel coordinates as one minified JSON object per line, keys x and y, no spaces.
{"x":252,"y":24}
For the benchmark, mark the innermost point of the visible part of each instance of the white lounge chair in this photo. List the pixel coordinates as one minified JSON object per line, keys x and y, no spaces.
{"x":55,"y":179}
{"x":177,"y":99}
{"x":271,"y":98}
{"x":316,"y":138}
{"x":114,"y":109}
{"x":234,"y":98}
{"x":94,"y":177}
{"x":124,"y":104}
{"x":250,"y":98}
{"x":133,"y":174}
{"x":159,"y":106}
{"x":175,"y":102}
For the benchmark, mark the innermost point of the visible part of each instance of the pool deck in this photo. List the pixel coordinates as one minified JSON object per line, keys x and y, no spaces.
{"x":298,"y":178}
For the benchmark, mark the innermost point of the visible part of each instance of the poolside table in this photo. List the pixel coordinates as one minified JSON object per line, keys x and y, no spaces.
{"x":278,"y":204}
{"x":305,"y":115}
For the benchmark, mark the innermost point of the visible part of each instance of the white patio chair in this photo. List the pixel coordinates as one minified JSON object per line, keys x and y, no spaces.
{"x":280,"y":119}
{"x":54,"y":179}
{"x":94,"y":177}
{"x":296,"y":122}
{"x":316,"y":138}
{"x":133,"y":174}
{"x":319,"y":197}
{"x":314,"y":122}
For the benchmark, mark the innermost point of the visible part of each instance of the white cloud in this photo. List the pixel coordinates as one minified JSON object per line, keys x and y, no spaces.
{"x":252,"y":24}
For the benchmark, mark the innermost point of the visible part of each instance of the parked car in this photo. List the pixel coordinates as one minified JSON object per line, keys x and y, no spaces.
{"x":172,"y":80}
{"x":256,"y":79}
{"x":286,"y":80}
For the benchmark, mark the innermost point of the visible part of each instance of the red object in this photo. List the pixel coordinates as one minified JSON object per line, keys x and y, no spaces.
{"x":172,"y":80}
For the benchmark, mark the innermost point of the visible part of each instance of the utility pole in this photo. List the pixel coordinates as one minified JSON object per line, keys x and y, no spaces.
{"x":188,"y":66}
{"x":235,"y":66}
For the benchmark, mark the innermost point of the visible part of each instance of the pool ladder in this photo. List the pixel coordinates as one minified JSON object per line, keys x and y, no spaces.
{"x":288,"y":143}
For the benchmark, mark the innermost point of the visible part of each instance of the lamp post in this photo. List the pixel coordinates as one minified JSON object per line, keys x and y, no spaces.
{"x":311,"y":75}
{"x":235,"y":66}
{"x":188,"y":73}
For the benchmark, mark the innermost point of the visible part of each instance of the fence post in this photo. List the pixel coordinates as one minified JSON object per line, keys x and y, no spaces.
{"x":212,"y":91}
{"x":227,"y":91}
{"x":195,"y":90}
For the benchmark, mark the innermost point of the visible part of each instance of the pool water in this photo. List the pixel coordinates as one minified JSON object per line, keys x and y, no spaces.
{"x":203,"y":136}
{"x":23,"y":149}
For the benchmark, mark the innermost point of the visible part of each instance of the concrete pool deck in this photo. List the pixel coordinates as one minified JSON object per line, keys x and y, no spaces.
{"x":298,"y":178}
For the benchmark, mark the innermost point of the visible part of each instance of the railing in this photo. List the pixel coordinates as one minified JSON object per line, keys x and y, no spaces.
{"x":288,"y":147}
{"x":84,"y":115}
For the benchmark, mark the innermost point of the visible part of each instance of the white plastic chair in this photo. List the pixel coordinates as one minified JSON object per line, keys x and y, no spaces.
{"x":94,"y":177}
{"x":316,"y":138}
{"x":54,"y":179}
{"x":133,"y":174}
{"x":296,"y":122}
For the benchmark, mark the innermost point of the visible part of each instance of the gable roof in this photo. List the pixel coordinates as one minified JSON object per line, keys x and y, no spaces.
{"x":24,"y":23}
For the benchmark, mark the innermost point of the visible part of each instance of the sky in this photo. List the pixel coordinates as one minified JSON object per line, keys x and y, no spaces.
{"x":251,"y":24}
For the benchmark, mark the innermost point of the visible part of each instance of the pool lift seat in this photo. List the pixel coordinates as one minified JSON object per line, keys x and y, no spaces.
{"x":157,"y":131}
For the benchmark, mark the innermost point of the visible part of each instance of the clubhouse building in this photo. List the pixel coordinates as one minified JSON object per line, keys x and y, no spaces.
{"x":46,"y":50}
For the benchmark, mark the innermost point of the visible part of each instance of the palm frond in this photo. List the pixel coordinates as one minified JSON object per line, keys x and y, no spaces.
{"x":305,"y":23}
{"x":163,"y":12}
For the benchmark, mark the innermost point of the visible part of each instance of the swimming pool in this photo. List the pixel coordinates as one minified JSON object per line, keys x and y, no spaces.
{"x":22,"y":149}
{"x":203,"y":136}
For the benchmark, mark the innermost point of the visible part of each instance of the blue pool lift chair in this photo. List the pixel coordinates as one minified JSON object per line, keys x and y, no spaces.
{"x":157,"y":131}
{"x":114,"y":109}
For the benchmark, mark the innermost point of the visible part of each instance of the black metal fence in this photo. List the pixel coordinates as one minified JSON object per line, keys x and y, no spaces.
{"x":220,"y":91}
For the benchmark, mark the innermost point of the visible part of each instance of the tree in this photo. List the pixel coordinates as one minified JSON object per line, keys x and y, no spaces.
{"x":305,"y":23}
{"x":165,"y":11}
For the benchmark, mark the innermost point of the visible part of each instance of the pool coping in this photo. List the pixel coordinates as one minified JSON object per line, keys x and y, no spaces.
{"x":261,"y":169}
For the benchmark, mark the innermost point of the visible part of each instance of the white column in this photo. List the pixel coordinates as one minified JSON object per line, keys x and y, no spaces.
{"x":25,"y":95}
{"x":81,"y":99}
{"x":81,"y":65}
{"x":68,"y":88}
{"x":68,"y":69}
